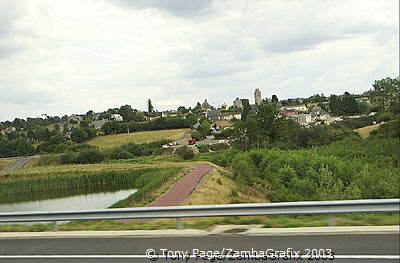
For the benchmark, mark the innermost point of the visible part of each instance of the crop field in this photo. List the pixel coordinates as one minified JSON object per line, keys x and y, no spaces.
{"x":109,"y":141}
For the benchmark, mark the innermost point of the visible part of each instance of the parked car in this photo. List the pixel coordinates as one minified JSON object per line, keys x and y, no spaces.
{"x":192,"y":142}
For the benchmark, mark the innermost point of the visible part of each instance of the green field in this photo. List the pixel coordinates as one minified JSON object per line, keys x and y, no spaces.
{"x":109,"y":141}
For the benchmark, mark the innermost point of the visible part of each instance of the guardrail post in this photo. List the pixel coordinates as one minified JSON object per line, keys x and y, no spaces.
{"x":179,"y":224}
{"x":331,"y":220}
{"x":55,"y":226}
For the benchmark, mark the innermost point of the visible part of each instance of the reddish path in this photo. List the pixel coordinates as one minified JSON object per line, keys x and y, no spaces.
{"x":184,"y":187}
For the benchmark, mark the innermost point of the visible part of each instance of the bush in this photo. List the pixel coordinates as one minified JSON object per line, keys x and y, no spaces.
{"x":68,"y":158}
{"x":185,"y":152}
{"x":90,"y":156}
{"x":387,"y":116}
{"x":118,"y":153}
{"x":388,"y":129}
{"x":197,"y":136}
{"x":203,"y":148}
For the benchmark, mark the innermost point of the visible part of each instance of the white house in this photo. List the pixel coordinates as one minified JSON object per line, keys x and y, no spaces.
{"x":302,"y":119}
{"x":295,"y":108}
{"x":116,"y":117}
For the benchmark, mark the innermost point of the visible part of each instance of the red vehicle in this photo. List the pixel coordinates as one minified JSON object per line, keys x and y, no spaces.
{"x":192,"y":141}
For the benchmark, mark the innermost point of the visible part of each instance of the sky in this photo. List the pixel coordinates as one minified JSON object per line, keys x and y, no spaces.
{"x":62,"y":57}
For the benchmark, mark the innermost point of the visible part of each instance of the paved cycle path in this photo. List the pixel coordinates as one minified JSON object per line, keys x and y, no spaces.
{"x":184,"y":187}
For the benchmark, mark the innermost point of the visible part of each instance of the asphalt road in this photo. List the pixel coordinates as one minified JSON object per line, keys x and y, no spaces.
{"x":346,"y":248}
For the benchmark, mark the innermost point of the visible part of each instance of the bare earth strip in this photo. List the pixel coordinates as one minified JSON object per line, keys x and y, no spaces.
{"x":182,"y":189}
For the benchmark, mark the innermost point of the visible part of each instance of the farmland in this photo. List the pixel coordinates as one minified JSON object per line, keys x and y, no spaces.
{"x":109,"y":141}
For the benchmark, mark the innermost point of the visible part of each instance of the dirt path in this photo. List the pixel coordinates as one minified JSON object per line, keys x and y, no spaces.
{"x":182,"y":189}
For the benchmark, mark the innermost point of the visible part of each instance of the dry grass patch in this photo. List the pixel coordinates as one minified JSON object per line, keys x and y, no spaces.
{"x":217,"y":188}
{"x":365,"y":131}
{"x":109,"y":141}
{"x":4,"y":163}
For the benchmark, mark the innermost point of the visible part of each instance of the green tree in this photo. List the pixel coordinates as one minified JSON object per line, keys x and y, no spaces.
{"x":79,"y":135}
{"x":246,"y":108}
{"x":23,"y":147}
{"x":150,"y":107}
{"x":385,"y":93}
{"x":127,"y":113}
{"x":89,"y":117}
{"x":191,"y":119}
{"x":182,"y":110}
{"x":204,"y":127}
{"x":42,"y":134}
{"x":269,"y":122}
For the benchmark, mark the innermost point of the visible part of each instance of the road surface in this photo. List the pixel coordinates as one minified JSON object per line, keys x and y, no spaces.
{"x":347,"y":248}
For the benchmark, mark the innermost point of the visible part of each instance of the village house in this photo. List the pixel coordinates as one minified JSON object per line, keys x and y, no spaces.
{"x":116,"y":117}
{"x":214,"y":115}
{"x":296,"y":108}
{"x":205,"y":105}
{"x":238,"y":103}
{"x":318,"y":113}
{"x":227,"y":116}
{"x":76,"y":118}
{"x":153,"y":115}
{"x":302,"y":119}
{"x":97,"y":124}
{"x":169,"y":113}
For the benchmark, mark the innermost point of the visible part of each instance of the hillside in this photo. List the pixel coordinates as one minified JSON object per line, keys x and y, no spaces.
{"x":364,"y":131}
{"x":109,"y":141}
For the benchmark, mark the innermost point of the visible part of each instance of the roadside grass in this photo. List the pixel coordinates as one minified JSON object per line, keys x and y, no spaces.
{"x":377,"y":219}
{"x":109,"y":141}
{"x":217,"y":188}
{"x":4,"y":163}
{"x":156,"y":185}
{"x":365,"y":131}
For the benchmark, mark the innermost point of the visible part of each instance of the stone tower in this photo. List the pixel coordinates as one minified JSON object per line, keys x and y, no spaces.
{"x":257,"y":96}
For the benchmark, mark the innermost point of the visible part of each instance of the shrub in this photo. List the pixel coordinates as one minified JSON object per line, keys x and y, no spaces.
{"x":118,"y":153}
{"x":67,"y":158}
{"x":387,"y":116}
{"x":185,"y":152}
{"x":203,"y":148}
{"x":196,"y":135}
{"x":90,"y":156}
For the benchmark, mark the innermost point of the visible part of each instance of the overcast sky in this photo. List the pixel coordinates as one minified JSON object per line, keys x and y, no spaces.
{"x":70,"y":56}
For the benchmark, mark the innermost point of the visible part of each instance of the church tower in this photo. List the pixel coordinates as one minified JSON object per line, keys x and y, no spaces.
{"x":257,"y":96}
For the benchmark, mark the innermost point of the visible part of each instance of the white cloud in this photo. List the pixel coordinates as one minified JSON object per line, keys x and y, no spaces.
{"x":63,"y":57}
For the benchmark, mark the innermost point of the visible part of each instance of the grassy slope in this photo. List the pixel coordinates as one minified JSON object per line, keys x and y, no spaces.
{"x":109,"y":141}
{"x":4,"y":163}
{"x":217,"y":188}
{"x":364,"y":131}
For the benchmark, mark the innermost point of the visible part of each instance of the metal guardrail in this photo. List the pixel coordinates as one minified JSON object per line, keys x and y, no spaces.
{"x":253,"y":209}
